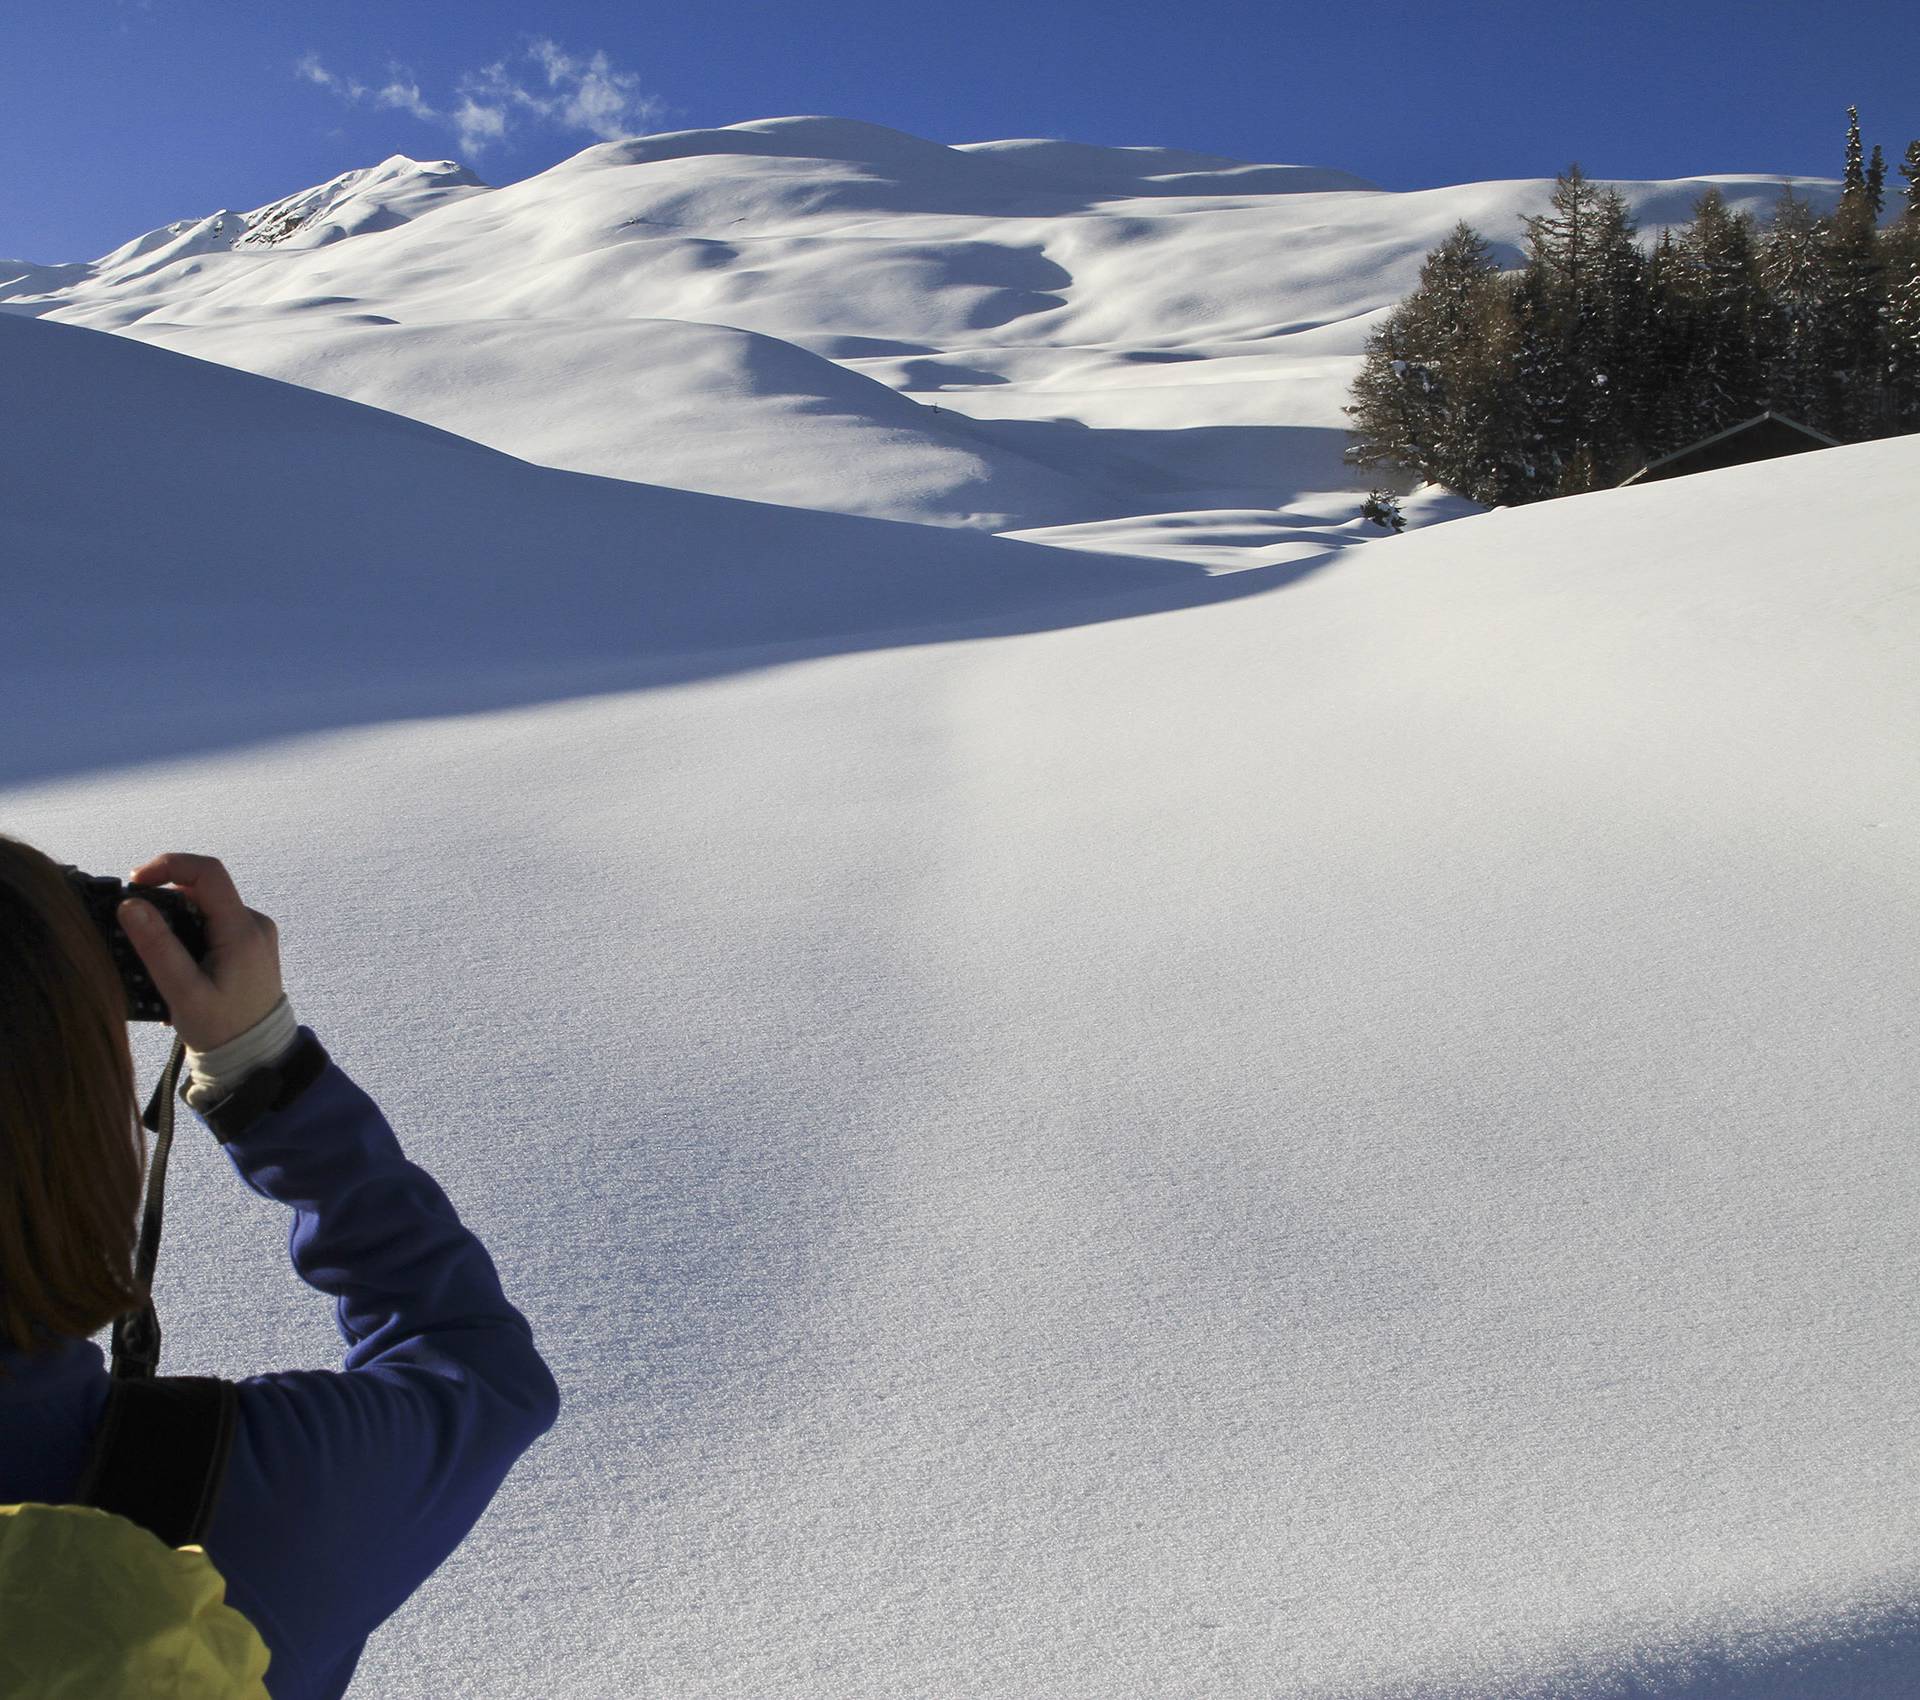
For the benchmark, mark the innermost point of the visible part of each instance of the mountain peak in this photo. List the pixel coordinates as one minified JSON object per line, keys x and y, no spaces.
{"x":375,"y":197}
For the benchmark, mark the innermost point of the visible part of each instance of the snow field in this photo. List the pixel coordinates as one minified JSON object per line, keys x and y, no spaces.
{"x":1348,"y":1141}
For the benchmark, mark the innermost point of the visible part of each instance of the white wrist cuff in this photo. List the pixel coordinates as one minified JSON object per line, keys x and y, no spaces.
{"x":218,"y":1071}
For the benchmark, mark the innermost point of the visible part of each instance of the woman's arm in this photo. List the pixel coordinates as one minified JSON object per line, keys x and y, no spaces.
{"x":344,"y":1490}
{"x":347,"y":1489}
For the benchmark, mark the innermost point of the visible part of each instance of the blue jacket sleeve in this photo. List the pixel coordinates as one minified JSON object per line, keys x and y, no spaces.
{"x":345,"y":1490}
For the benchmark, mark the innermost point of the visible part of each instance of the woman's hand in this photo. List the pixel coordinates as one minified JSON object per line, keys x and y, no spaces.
{"x":237,"y":982}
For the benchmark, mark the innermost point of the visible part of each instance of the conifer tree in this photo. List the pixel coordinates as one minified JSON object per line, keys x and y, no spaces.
{"x":1554,"y":372}
{"x":1395,"y":422}
{"x":1427,"y":397}
{"x":1562,"y":241}
{"x":1539,"y":382}
{"x":1674,"y":350}
{"x":1910,"y":170}
{"x":1586,"y":315}
{"x":1848,"y":329}
{"x":1382,"y":508}
{"x":1877,"y":181}
{"x":1492,"y":446}
{"x":1854,"y":180}
{"x":1792,"y":267}
{"x":1851,"y":396}
{"x":1901,"y":323}
{"x":1623,"y":316}
{"x":1459,"y":327}
{"x":1713,"y":285}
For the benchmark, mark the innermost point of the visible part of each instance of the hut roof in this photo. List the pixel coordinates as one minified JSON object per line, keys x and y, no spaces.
{"x":1664,"y":467}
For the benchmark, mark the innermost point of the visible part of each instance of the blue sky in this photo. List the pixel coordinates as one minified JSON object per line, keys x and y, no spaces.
{"x":124,"y":114}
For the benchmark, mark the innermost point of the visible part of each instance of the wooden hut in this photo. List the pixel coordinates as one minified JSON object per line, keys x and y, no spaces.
{"x":1762,"y":437}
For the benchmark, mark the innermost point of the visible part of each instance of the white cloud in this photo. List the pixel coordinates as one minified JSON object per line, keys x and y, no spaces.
{"x":477,"y":126}
{"x":406,"y":97}
{"x":308,"y":66}
{"x":591,"y":95}
{"x":544,"y":84}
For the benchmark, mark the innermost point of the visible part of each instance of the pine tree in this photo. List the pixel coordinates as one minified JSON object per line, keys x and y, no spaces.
{"x":1539,"y":381}
{"x":1499,"y":440}
{"x":1382,"y":508}
{"x":1849,"y":334}
{"x":1680,"y":406}
{"x":1394,"y":421}
{"x":1877,"y":181}
{"x":1901,"y":324}
{"x":1852,"y":354}
{"x":1456,"y":326}
{"x":1428,"y":394}
{"x":1910,"y":170}
{"x":1854,"y":180}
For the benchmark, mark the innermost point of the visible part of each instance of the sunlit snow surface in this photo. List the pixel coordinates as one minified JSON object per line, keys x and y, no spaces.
{"x":1072,"y":1123}
{"x":1003,"y":336}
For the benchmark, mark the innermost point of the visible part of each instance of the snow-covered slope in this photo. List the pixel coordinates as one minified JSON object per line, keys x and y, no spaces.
{"x":1005,"y":335}
{"x":179,"y":535}
{"x":696,"y":405}
{"x":1353,"y":1142}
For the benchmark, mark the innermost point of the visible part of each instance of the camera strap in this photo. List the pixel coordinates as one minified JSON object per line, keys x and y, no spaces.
{"x":136,"y":1335}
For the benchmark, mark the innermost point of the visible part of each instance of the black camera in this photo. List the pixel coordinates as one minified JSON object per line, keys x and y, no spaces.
{"x":103,"y":894}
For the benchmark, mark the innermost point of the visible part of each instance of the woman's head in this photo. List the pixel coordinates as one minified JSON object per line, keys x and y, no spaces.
{"x":71,"y":1153}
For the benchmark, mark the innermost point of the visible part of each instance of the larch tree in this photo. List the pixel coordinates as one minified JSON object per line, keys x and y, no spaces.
{"x":1795,"y":273}
{"x":1585,"y":313}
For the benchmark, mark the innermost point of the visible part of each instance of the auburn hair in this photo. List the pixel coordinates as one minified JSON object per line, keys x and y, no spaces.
{"x":72,"y":1154}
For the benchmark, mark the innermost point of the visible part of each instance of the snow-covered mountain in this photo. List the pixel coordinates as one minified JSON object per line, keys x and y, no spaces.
{"x":1009,"y":335}
{"x":375,"y":198}
{"x":1071,"y":1123}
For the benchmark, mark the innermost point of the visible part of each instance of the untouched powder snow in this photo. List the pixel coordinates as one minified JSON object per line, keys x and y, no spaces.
{"x":1004,"y":336}
{"x":1349,"y":1143}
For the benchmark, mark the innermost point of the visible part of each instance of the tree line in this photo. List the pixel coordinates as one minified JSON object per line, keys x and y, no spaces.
{"x":1601,"y":354}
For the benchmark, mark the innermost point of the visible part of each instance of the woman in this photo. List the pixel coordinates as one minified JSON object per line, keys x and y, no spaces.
{"x":343,"y":1490}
